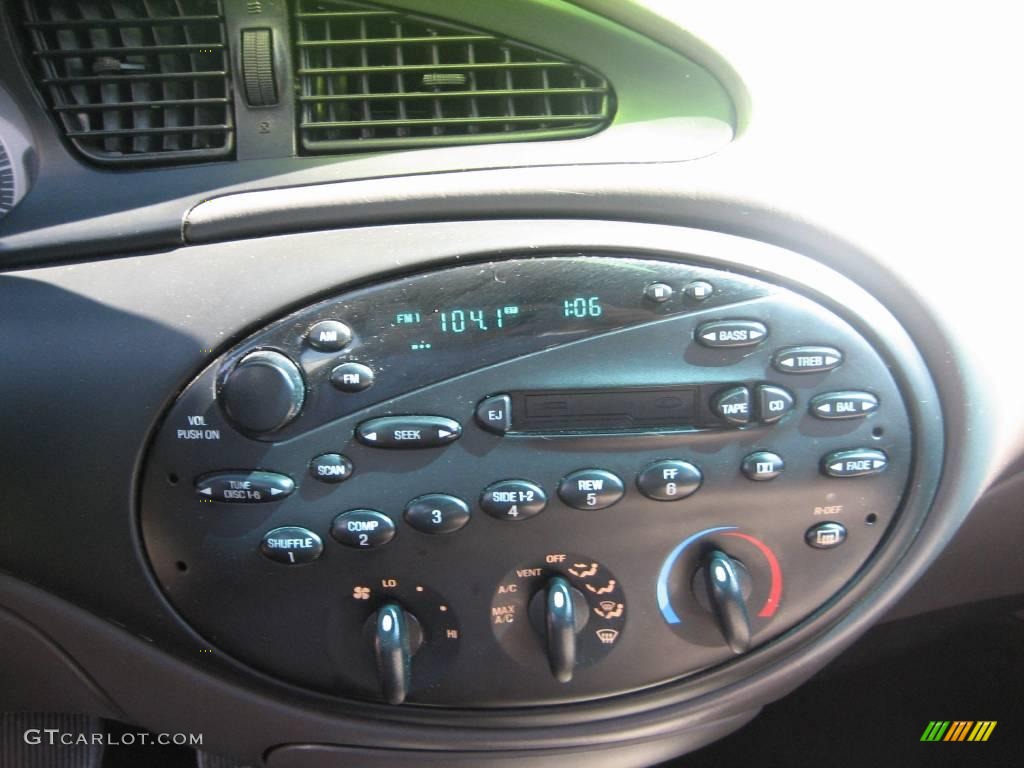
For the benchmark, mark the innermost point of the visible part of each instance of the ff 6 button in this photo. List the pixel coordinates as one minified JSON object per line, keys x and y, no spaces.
{"x":669,"y":480}
{"x":591,"y":489}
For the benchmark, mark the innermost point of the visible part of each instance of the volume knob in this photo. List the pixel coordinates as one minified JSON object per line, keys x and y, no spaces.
{"x":263,"y":393}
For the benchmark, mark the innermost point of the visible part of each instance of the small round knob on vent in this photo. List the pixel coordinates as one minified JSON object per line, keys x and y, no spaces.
{"x":264,"y":393}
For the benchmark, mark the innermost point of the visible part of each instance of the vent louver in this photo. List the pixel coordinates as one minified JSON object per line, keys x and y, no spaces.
{"x":134,"y":81}
{"x":374,"y":78}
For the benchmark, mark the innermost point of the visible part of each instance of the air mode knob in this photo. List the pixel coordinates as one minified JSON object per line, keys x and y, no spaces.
{"x":263,"y":393}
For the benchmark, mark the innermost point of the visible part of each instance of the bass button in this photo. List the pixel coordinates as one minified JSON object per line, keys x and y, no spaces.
{"x":732,"y":333}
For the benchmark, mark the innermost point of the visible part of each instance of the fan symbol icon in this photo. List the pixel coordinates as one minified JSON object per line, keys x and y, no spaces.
{"x":361,"y":593}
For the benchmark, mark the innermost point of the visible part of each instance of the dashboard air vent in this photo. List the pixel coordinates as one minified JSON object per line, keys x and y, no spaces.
{"x":134,"y":81}
{"x":374,"y":78}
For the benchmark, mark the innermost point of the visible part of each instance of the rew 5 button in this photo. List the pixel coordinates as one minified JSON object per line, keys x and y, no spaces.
{"x":437,"y":513}
{"x":591,"y":489}
{"x":669,"y":480}
{"x":408,"y":431}
{"x":363,"y":529}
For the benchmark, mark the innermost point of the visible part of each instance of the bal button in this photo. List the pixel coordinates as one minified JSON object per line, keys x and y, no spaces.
{"x":363,"y":529}
{"x":591,"y":489}
{"x":669,"y":480}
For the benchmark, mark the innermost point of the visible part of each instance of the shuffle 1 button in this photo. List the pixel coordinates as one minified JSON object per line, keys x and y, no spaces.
{"x":291,"y":545}
{"x":591,"y":489}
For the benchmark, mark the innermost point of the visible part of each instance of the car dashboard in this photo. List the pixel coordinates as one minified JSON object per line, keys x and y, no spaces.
{"x":416,"y":383}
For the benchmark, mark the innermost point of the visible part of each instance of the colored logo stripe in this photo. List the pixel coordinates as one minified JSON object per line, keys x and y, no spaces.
{"x":958,"y":730}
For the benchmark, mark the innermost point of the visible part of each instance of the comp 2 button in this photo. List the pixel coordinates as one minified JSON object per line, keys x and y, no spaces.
{"x":363,"y":529}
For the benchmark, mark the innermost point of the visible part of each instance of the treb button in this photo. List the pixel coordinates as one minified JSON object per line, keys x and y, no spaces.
{"x":807,"y":359}
{"x":495,"y":414}
{"x":591,"y":489}
{"x":408,"y":432}
{"x":732,"y":333}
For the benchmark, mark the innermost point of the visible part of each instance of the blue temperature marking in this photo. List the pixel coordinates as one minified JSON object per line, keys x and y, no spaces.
{"x":666,"y":569}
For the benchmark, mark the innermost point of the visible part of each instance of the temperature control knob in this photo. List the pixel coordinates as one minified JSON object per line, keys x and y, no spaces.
{"x":263,"y":393}
{"x":396,"y":637}
{"x":564,"y":612}
{"x":726,"y":585}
